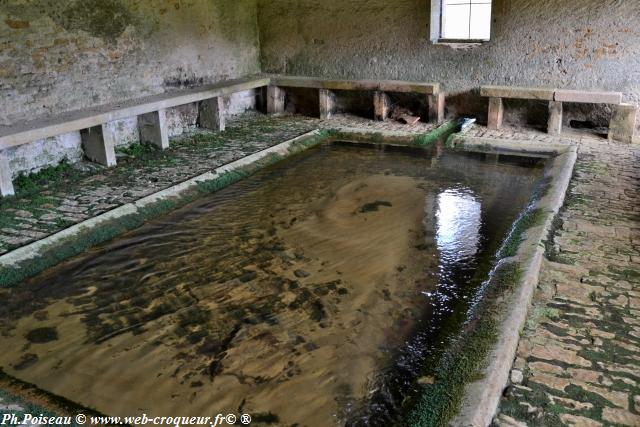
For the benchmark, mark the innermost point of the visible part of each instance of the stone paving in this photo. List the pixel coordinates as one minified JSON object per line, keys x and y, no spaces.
{"x":85,"y":190}
{"x":578,"y":361}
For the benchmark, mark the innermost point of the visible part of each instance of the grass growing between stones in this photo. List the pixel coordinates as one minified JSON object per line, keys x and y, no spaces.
{"x":87,"y":238}
{"x":30,"y":184}
{"x":463,"y":362}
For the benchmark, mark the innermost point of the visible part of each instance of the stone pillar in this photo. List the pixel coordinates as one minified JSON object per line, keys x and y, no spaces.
{"x":623,"y":123}
{"x":275,"y":100}
{"x":554,"y":125}
{"x":381,"y":105}
{"x":153,"y":129}
{"x":6,"y":184}
{"x":99,"y":145}
{"x":436,"y":107}
{"x":496,"y":111}
{"x":327,"y":103}
{"x":212,"y":114}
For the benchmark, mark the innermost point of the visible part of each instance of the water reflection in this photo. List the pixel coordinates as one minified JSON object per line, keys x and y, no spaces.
{"x":458,"y":225}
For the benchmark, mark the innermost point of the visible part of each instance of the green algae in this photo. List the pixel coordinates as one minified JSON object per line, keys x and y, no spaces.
{"x":463,"y":362}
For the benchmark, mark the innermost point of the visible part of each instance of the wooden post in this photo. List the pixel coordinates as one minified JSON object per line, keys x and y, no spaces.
{"x":496,"y":112}
{"x":153,"y":129}
{"x":212,"y":114}
{"x":275,"y":100}
{"x":99,"y":144}
{"x":381,"y":105}
{"x":554,"y":125}
{"x":327,"y":103}
{"x":436,"y":107}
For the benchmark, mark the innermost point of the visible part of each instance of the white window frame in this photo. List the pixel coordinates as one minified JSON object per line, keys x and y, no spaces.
{"x":436,"y":27}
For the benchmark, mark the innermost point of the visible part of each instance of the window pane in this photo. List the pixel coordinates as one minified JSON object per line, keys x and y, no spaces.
{"x":480,"y":21}
{"x":455,"y":21}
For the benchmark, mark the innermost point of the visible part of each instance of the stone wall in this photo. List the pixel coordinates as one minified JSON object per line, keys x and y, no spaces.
{"x":64,"y":55}
{"x":588,"y":44}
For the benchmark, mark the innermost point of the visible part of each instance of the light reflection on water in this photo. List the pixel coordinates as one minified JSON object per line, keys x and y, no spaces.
{"x":312,"y":291}
{"x":458,"y":225}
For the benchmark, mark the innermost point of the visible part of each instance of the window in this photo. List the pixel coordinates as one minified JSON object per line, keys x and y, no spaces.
{"x":460,"y":20}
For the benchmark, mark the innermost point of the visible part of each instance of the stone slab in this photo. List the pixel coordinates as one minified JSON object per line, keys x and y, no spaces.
{"x":6,"y":184}
{"x":588,"y":97}
{"x":436,"y":107}
{"x":340,"y":84}
{"x":212,"y":114}
{"x":276,"y":97}
{"x":554,"y":124}
{"x":153,"y":129}
{"x":623,"y":123}
{"x":495,"y":114}
{"x":327,"y":101}
{"x":517,"y":92}
{"x":99,"y":145}
{"x":380,"y":105}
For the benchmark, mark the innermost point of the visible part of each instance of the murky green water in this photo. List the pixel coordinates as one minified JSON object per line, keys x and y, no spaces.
{"x":309,"y":293}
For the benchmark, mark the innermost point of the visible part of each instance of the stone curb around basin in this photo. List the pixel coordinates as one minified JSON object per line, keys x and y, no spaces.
{"x":481,"y":398}
{"x":37,"y":248}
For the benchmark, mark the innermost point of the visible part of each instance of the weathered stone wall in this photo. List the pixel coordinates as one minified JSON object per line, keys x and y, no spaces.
{"x":586,"y":44}
{"x":64,"y":55}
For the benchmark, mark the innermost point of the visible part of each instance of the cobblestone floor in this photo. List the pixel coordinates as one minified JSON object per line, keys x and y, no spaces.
{"x":85,"y":190}
{"x":578,"y":361}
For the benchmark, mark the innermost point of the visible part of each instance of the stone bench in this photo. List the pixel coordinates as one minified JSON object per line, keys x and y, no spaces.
{"x":99,"y":140}
{"x":380,"y":88}
{"x":621,"y":127}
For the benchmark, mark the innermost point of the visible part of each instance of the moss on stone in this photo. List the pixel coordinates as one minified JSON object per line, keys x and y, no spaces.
{"x":529,"y":219}
{"x":463,"y":362}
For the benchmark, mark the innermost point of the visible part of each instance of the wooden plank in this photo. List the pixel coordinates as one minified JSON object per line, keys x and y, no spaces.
{"x":38,"y":129}
{"x":517,"y":92}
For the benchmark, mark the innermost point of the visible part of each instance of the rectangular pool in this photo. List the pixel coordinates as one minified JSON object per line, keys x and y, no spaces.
{"x":309,"y":293}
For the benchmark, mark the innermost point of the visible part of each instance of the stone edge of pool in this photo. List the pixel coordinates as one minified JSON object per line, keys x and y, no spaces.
{"x":481,"y":397}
